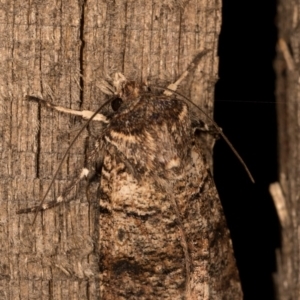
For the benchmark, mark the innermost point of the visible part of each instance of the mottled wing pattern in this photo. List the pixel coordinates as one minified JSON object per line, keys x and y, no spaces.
{"x":162,"y":232}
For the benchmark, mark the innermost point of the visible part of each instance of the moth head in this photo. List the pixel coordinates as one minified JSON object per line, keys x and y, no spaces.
{"x":128,"y":90}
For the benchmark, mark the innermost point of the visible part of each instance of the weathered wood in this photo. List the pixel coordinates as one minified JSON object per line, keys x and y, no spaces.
{"x":286,"y":192}
{"x":62,"y":50}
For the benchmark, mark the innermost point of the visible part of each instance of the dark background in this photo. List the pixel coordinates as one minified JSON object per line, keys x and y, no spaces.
{"x":245,"y":109}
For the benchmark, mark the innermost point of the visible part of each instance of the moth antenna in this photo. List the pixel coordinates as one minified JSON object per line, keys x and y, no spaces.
{"x":216,"y":126}
{"x":65,"y":155}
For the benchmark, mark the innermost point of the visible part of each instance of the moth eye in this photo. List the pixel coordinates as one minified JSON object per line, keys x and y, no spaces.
{"x":116,"y":103}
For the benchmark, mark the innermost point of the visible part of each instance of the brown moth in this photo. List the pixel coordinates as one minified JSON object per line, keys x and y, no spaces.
{"x":161,"y":231}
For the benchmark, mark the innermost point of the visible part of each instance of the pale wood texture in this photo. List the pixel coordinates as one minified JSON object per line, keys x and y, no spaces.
{"x":286,"y":193}
{"x":61,"y":50}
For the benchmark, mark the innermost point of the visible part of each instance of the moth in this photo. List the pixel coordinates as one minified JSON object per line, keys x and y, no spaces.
{"x":161,"y":231}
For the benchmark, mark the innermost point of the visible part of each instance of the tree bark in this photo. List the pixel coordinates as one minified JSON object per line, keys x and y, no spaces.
{"x":286,"y":191}
{"x":62,"y":51}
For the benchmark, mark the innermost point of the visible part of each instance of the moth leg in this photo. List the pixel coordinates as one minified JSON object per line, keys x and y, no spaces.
{"x":190,"y":68}
{"x":85,"y":174}
{"x":174,"y":86}
{"x":85,"y":114}
{"x":201,"y":127}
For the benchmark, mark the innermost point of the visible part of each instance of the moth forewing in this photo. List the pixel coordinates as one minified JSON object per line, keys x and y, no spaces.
{"x":163,"y":232}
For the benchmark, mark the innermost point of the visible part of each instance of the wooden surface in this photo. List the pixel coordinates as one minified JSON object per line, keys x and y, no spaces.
{"x":287,"y":277}
{"x":62,"y":50}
